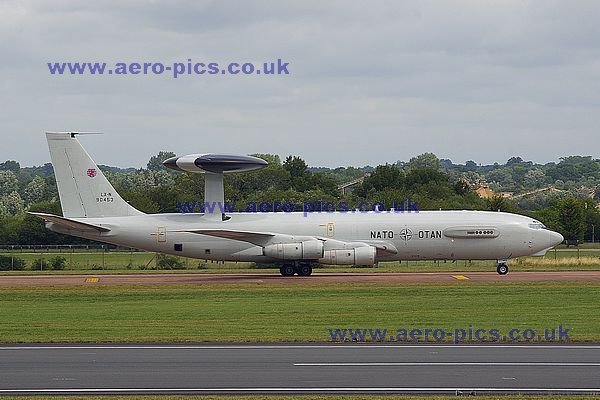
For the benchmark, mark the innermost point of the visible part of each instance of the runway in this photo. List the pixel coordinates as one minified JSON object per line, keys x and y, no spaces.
{"x":275,"y":278}
{"x":333,"y":368}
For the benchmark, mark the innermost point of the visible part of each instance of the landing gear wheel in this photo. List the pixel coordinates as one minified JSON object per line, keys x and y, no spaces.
{"x":304,"y":270}
{"x":287,"y":270}
{"x":502,"y":269}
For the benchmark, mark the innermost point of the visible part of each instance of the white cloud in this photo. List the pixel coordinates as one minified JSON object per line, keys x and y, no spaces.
{"x":369,"y":82}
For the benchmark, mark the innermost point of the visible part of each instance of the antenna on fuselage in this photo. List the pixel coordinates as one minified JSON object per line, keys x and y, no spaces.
{"x":214,"y":166}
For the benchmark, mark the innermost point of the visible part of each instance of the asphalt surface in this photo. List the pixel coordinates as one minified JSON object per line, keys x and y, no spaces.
{"x":316,"y":278}
{"x":335,"y":368}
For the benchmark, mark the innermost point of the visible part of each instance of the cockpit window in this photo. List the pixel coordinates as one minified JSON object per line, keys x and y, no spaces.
{"x":537,"y":225}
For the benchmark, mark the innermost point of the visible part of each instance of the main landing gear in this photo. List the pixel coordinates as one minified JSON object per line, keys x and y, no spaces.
{"x":302,"y":269}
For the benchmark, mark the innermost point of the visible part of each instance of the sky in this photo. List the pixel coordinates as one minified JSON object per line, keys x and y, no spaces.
{"x":368,"y":83}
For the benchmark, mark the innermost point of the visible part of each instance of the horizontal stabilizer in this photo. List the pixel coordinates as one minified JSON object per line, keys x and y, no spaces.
{"x":69,"y":223}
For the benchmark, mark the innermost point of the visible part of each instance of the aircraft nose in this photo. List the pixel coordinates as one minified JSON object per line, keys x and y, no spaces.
{"x":554,"y":238}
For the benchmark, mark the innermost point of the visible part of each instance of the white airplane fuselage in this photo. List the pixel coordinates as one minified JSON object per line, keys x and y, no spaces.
{"x":426,"y":235}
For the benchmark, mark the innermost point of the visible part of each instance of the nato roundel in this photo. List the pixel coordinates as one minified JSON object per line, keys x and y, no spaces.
{"x":216,"y":163}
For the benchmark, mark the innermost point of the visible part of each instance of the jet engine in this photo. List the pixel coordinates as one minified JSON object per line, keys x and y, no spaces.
{"x":306,"y":250}
{"x":358,"y":256}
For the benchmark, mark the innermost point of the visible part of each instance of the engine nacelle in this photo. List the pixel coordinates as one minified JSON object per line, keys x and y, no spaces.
{"x":358,"y":256}
{"x":306,"y":250}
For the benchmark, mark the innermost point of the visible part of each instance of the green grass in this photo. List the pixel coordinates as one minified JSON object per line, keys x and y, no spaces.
{"x":115,"y":261}
{"x":135,"y":262}
{"x":79,"y":260}
{"x":288,"y":313}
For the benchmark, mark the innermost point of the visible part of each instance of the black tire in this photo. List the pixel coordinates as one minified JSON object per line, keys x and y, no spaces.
{"x":287,"y":270}
{"x":304,"y":270}
{"x":502,"y":269}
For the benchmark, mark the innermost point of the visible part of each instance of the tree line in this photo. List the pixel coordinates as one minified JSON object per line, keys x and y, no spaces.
{"x":435,"y":184}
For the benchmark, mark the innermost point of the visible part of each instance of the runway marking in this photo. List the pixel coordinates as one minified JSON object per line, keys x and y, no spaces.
{"x":414,"y":364}
{"x":312,"y":389}
{"x":460,"y":277}
{"x":258,"y":347}
{"x":92,"y":280}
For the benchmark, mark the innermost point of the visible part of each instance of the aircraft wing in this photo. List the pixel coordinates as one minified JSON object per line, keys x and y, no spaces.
{"x":69,"y":223}
{"x":381,"y":246}
{"x":385,"y":247}
{"x":267,"y":238}
{"x":257,"y":238}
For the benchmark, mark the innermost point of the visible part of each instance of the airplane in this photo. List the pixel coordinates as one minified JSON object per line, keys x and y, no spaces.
{"x":296,"y":241}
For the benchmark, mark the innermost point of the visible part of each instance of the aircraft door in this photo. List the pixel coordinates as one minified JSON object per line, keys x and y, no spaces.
{"x":161,"y":234}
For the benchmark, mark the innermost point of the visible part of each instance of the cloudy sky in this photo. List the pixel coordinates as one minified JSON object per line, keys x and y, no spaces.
{"x":369,"y":82}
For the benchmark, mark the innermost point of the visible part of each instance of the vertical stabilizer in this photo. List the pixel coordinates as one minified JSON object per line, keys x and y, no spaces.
{"x":83,"y":189}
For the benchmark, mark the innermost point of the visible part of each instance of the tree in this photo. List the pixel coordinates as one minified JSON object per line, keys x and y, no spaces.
{"x":11,"y":204}
{"x":240,"y":186}
{"x":385,"y":176}
{"x":8,"y":182}
{"x":138,"y":181}
{"x":514,"y":160}
{"x":156,"y":162}
{"x":271,"y":159}
{"x":417,"y":177}
{"x":35,"y":190}
{"x":501,"y":178}
{"x":141,"y":201}
{"x":534,"y":178}
{"x":592,"y":220}
{"x":303,"y":180}
{"x":31,"y":230}
{"x":571,"y":218}
{"x":425,"y":161}
{"x":162,"y":178}
{"x":10,"y":165}
{"x":471,"y":165}
{"x":295,"y":166}
{"x":499,"y":203}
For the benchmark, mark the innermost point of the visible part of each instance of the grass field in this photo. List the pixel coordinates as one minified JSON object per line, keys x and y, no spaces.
{"x":95,"y":261}
{"x":256,"y":313}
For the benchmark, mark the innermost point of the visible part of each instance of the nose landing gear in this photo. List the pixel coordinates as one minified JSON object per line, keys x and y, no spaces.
{"x":502,"y":269}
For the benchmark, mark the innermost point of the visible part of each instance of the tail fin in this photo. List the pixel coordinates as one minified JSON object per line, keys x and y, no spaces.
{"x":83,"y":189}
